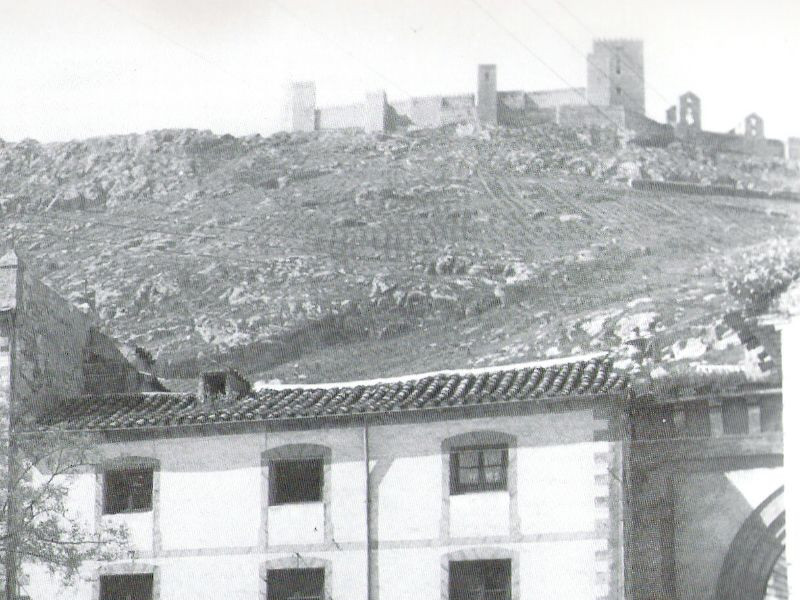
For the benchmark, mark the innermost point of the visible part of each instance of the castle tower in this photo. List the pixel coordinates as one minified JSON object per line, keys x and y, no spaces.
{"x":793,"y":148}
{"x":302,"y":106}
{"x":615,"y":74}
{"x":375,"y":112}
{"x":753,"y":126}
{"x":487,"y":94}
{"x":690,"y":114}
{"x":672,"y":115}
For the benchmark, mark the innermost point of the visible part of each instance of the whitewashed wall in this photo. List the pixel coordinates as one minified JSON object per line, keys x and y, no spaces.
{"x":206,"y":538}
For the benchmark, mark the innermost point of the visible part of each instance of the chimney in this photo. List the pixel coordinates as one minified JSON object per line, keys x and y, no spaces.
{"x":219,"y":384}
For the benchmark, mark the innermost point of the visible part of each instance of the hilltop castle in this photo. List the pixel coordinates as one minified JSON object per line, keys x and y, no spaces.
{"x":614,"y":97}
{"x":615,"y":87}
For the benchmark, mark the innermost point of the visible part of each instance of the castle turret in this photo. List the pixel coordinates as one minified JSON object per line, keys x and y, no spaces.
{"x":754,"y":126}
{"x":616,"y":74}
{"x":689,"y":113}
{"x":375,"y":112}
{"x":487,"y":94}
{"x":302,"y":106}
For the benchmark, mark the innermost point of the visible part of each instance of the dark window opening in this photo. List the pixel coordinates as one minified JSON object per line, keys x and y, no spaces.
{"x":126,"y":587}
{"x":480,"y":580}
{"x":295,"y":481}
{"x":619,"y":91}
{"x":295,"y":584}
{"x":619,"y":65}
{"x":128,"y":490}
{"x":478,"y":469}
{"x":214,"y":384}
{"x":486,"y":75}
{"x":734,"y":417}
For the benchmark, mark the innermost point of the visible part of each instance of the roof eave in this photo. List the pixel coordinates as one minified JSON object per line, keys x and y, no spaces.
{"x":479,"y":410}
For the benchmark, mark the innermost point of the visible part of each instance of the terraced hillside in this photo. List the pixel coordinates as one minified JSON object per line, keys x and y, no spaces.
{"x":331,"y":256}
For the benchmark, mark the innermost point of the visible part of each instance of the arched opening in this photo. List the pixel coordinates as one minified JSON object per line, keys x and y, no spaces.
{"x":777,"y":584}
{"x":754,"y":567}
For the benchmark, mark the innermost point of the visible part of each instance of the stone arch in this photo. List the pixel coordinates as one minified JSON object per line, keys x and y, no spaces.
{"x":752,"y":554}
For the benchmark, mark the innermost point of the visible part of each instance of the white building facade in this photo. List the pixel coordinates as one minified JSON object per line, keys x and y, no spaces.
{"x":499,"y":485}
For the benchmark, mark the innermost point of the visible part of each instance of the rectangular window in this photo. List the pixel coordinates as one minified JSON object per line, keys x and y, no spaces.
{"x":294,"y":481}
{"x":128,"y":490}
{"x":480,"y":580}
{"x":295,"y":584}
{"x":126,"y":587}
{"x":478,"y":469}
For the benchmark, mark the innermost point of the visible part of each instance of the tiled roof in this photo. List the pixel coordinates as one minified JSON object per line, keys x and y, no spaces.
{"x":119,"y":411}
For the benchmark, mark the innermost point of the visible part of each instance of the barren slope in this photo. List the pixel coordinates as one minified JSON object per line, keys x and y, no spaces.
{"x":336,"y":256}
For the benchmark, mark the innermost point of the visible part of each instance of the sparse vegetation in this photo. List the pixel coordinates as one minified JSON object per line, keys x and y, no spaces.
{"x":413,"y":252}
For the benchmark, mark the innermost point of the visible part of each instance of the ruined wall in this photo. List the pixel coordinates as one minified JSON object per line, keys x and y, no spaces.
{"x":458,"y":109}
{"x":591,"y":116}
{"x":793,"y":148}
{"x":421,"y":112}
{"x":731,"y":142}
{"x":60,"y":352}
{"x":346,"y":116}
{"x":555,"y":98}
{"x":648,"y":131}
{"x":516,"y":111}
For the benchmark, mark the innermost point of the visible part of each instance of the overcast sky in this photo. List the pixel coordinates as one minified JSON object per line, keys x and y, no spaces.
{"x":80,"y":68}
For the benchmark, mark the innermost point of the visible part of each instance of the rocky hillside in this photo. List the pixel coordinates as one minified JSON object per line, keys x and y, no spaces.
{"x":334,"y":255}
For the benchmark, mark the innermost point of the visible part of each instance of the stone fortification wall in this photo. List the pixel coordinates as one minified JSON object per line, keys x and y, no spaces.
{"x":591,"y":116}
{"x":555,"y":98}
{"x":422,"y":112}
{"x":728,"y":142}
{"x":347,"y":116}
{"x":60,"y":352}
{"x":458,"y":109}
{"x":793,"y":148}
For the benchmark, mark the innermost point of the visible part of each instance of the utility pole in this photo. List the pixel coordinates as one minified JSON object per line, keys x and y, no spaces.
{"x":11,"y":471}
{"x":11,"y":280}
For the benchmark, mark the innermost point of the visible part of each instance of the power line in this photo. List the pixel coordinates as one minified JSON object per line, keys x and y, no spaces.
{"x":580,"y":53}
{"x":335,"y":43}
{"x":541,"y":61}
{"x":594,"y":36}
{"x":157,"y":32}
